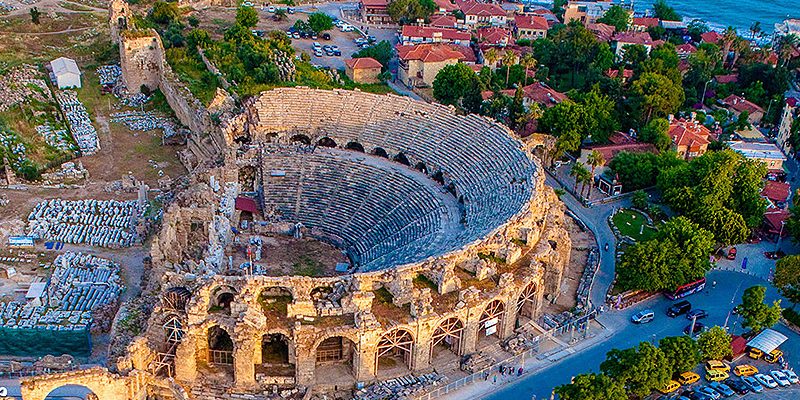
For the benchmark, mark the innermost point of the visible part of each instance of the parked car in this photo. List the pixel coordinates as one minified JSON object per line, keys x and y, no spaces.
{"x":710,"y":392}
{"x":318,"y":53}
{"x":722,"y":389}
{"x":732,"y":253}
{"x":716,"y":375}
{"x":716,"y":365}
{"x":753,"y":384}
{"x":766,"y":380}
{"x":737,"y":386}
{"x":698,"y":327}
{"x":670,"y":387}
{"x":679,"y":308}
{"x":695,"y":395}
{"x":643,"y":317}
{"x":696,"y":313}
{"x":773,"y":356}
{"x":688,"y":378}
{"x":791,"y":375}
{"x":290,"y":10}
{"x":781,"y":378}
{"x":296,"y":35}
{"x":745,"y":370}
{"x":271,"y":9}
{"x":326,"y":36}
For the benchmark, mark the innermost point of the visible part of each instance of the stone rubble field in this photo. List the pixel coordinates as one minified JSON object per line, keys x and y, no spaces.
{"x":104,"y":223}
{"x":81,"y":125}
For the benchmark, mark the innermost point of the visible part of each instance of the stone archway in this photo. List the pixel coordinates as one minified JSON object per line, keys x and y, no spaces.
{"x":526,"y":304}
{"x":278,"y":357}
{"x":335,"y":360}
{"x":275,"y":300}
{"x":491,"y":321}
{"x":221,"y":299}
{"x":402,"y":159}
{"x":73,"y":391}
{"x":446,"y":341}
{"x":103,"y":384}
{"x":220,"y":346}
{"x":395,"y":352}
{"x":326,"y":142}
{"x":380,"y":152}
{"x":355,"y":146}
{"x":300,"y":138}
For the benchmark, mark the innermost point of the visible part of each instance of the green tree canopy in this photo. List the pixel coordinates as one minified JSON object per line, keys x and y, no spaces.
{"x":787,"y":277}
{"x":656,"y":95}
{"x":164,"y":12}
{"x":381,"y":52}
{"x":591,"y":387}
{"x":247,"y":17}
{"x":663,"y":11}
{"x":640,"y":370}
{"x":617,"y":17}
{"x":656,"y":132}
{"x":320,"y":22}
{"x":715,"y":344}
{"x":681,"y":352}
{"x":409,"y":11}
{"x":458,"y":85}
{"x":757,"y":314}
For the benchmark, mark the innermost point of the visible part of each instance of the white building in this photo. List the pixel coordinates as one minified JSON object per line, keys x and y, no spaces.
{"x":791,"y":111}
{"x":66,"y":73}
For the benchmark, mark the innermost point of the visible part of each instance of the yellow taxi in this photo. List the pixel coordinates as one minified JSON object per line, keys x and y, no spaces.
{"x":773,"y":356}
{"x":670,"y":387}
{"x":755,"y":353}
{"x":745,"y":370}
{"x":716,"y":365}
{"x":688,"y":378}
{"x":714,"y":375}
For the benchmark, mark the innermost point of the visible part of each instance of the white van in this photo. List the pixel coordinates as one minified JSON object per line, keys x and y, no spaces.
{"x":643,"y":317}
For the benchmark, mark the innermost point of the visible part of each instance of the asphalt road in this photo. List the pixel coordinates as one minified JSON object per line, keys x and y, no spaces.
{"x":718,"y":301}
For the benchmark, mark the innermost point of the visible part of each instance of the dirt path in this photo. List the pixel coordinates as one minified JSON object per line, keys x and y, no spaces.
{"x":68,"y":30}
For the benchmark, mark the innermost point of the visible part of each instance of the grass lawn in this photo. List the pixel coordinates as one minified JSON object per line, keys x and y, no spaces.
{"x":630,"y":224}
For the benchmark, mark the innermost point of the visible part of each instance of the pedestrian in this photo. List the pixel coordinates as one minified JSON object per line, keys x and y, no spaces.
{"x":519,"y":371}
{"x":494,"y":381}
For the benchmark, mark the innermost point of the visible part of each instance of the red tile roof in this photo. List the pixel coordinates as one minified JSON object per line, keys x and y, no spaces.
{"x":691,"y":134}
{"x":537,"y":92}
{"x":363,"y":63}
{"x":431,"y":52}
{"x":729,"y":78}
{"x":613,"y":73}
{"x":740,"y":104}
{"x":620,"y":138}
{"x":776,"y":191}
{"x":686,"y":48}
{"x":445,"y":5}
{"x":530,"y":22}
{"x":609,"y":151}
{"x":711,"y":37}
{"x":642,"y":38}
{"x":494,"y":35}
{"x":375,"y":3}
{"x":443,"y":21}
{"x":429,"y":32}
{"x":646,"y":22}
{"x":602,"y":32}
{"x":482,"y":9}
{"x":775,"y":217}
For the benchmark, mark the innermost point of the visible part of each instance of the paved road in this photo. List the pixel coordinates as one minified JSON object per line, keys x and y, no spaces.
{"x":717,"y":301}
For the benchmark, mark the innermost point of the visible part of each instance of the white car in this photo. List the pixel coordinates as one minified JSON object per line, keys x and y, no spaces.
{"x":247,"y":4}
{"x":271,"y":9}
{"x":791,"y":375}
{"x":709,"y":392}
{"x":766,"y":380}
{"x":781,"y":378}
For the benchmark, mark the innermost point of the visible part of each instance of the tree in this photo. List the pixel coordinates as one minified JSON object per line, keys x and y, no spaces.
{"x":409,"y":11}
{"x":35,"y":15}
{"x":491,"y":57}
{"x":727,"y":226}
{"x":617,"y":17}
{"x":657,"y":132}
{"x":247,"y":17}
{"x":635,"y":170}
{"x":787,"y":278}
{"x":640,"y":199}
{"x":594,"y":159}
{"x":381,"y":52}
{"x":320,"y":22}
{"x":715,"y":344}
{"x":755,"y":29}
{"x":566,"y":121}
{"x":578,"y":171}
{"x":280,"y":14}
{"x":509,"y":59}
{"x":527,"y":61}
{"x":164,"y":12}
{"x":591,"y":387}
{"x":758,"y":315}
{"x":458,"y":85}
{"x":640,"y":370}
{"x":665,"y":12}
{"x":657,"y":95}
{"x":194,"y":22}
{"x":681,"y":352}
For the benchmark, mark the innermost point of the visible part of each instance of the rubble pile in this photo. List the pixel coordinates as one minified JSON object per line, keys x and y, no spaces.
{"x":109,"y":75}
{"x":145,"y":121}
{"x":12,"y":148}
{"x":69,"y":172}
{"x":105,"y":223}
{"x":58,"y":138}
{"x":476,"y":362}
{"x":6,"y":7}
{"x":79,"y":284}
{"x":399,"y":388}
{"x":21,"y":84}
{"x":80,"y":124}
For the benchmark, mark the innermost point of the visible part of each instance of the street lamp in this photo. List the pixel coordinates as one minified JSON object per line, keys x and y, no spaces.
{"x":703,"y":99}
{"x":780,"y":233}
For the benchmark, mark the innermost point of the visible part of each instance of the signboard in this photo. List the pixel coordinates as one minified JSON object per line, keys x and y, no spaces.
{"x":491,"y":330}
{"x":490,"y":322}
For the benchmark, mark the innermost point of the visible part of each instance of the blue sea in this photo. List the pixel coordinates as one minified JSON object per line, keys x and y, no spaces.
{"x":740,"y":14}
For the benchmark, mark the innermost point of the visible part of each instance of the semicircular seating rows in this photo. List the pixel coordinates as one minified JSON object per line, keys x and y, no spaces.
{"x":492,"y":175}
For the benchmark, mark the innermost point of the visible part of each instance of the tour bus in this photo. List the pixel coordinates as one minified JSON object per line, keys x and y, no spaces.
{"x":687,"y":289}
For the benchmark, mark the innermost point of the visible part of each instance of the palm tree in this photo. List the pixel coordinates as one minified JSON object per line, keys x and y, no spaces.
{"x":528,"y":62}
{"x":587,"y":178}
{"x":491,"y":58}
{"x":739,"y":46}
{"x":509,"y":58}
{"x":595,"y":159}
{"x":579,"y":172}
{"x":728,"y":38}
{"x":755,"y":28}
{"x":785,"y":47}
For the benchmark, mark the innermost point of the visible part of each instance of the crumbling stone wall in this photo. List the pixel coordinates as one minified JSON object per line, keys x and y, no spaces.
{"x":141,"y":59}
{"x":105,"y":385}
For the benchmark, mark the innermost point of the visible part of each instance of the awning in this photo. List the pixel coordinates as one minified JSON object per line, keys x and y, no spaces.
{"x":767,"y":340}
{"x":246,"y":204}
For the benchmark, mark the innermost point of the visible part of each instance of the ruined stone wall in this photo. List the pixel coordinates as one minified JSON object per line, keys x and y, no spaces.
{"x":141,"y":59}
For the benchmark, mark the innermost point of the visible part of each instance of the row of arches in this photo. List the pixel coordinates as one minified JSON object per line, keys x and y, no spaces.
{"x":395,"y":351}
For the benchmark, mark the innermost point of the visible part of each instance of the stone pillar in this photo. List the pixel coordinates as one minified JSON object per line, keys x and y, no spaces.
{"x":422,"y":349}
{"x":365,"y":362}
{"x":244,"y":371}
{"x":509,"y":319}
{"x":469,"y":340}
{"x":305,"y":365}
{"x":186,"y":358}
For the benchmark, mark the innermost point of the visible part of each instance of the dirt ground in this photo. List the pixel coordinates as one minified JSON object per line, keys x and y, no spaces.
{"x":285,"y":255}
{"x":581,"y":242}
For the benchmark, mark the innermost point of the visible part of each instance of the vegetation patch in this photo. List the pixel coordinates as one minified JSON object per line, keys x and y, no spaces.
{"x":634,"y":225}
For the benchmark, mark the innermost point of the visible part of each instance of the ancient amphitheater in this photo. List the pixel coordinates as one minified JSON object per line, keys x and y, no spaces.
{"x":443,"y":241}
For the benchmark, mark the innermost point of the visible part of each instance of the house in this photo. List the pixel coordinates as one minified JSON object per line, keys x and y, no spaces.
{"x":685,"y":50}
{"x":627,"y":74}
{"x":609,"y":151}
{"x":445,"y":6}
{"x":642,"y":24}
{"x":710,"y":37}
{"x":690,"y":138}
{"x":375,"y":11}
{"x":494,"y":36}
{"x":545,"y":13}
{"x":363,"y":70}
{"x":530,"y":27}
{"x":623,"y":39}
{"x":586,"y":12}
{"x":536,"y":92}
{"x":420,"y":63}
{"x":726,"y":79}
{"x":776,"y":193}
{"x":791,"y":111}
{"x":603,"y":32}
{"x":774,"y":221}
{"x":768,"y":153}
{"x":674,"y":26}
{"x":443,"y":21}
{"x":66,"y":73}
{"x":415,"y":34}
{"x":483,"y":14}
{"x":738,"y":105}
{"x":787,"y":27}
